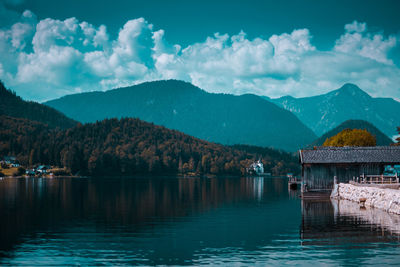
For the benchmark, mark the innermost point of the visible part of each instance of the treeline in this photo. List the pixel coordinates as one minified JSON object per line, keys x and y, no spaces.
{"x":14,"y":106}
{"x":130,"y":146}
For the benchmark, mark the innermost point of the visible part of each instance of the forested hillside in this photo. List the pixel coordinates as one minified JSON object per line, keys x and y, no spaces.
{"x":14,"y":106}
{"x":129,"y":146}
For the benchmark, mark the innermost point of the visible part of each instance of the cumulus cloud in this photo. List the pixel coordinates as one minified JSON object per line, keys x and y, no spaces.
{"x":356,"y":40}
{"x":355,"y":26}
{"x":50,"y":58}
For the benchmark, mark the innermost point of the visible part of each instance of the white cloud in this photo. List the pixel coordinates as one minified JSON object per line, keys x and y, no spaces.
{"x":50,"y":58}
{"x":297,"y":42}
{"x":357,"y":40}
{"x":355,"y":26}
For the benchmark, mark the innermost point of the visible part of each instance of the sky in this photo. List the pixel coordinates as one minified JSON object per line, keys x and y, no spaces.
{"x":274,"y":48}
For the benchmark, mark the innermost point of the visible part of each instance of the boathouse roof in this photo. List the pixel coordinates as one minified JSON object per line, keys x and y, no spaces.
{"x":332,"y":155}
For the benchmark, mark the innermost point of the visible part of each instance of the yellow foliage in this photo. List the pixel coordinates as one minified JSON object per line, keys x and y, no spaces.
{"x":9,"y":172}
{"x":351,"y":137}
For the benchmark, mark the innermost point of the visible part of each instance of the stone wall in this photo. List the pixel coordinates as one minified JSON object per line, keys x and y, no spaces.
{"x":381,"y":198}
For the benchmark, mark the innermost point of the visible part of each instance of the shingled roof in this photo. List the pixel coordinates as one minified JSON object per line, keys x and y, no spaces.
{"x":331,"y":155}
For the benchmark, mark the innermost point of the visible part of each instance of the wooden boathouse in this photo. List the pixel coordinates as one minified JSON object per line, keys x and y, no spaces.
{"x":320,"y":165}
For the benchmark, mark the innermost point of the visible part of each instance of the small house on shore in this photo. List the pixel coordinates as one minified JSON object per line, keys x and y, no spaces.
{"x":256,"y":168}
{"x":320,"y":165}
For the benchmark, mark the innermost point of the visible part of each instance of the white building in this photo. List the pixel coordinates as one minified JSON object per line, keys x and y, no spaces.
{"x":256,"y":168}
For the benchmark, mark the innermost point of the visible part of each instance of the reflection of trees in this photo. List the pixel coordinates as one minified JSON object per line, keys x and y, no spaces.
{"x":30,"y":205}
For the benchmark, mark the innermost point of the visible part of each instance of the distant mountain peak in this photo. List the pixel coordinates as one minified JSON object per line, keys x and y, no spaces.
{"x":221,"y":118}
{"x":324,"y":112}
{"x":350,"y":89}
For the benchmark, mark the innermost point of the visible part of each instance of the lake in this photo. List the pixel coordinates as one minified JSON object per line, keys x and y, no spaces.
{"x":185,"y":221}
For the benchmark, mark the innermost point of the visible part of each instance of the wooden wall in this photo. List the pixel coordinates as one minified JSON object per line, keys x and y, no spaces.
{"x":320,"y":176}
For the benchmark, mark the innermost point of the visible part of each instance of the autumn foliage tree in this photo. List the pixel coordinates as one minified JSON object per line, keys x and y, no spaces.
{"x":351,"y":137}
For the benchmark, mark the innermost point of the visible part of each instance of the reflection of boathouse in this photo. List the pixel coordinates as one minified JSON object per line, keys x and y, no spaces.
{"x":320,"y":165}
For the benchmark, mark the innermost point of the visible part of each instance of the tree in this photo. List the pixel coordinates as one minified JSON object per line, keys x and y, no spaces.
{"x":398,"y":138}
{"x":351,"y":137}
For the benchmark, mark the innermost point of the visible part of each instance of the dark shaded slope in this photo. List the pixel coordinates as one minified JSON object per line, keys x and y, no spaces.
{"x":15,"y":106}
{"x":381,"y":138}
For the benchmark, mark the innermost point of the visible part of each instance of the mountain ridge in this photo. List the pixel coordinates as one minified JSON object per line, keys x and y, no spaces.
{"x":14,"y":106}
{"x":324,"y":112}
{"x":222,"y":118}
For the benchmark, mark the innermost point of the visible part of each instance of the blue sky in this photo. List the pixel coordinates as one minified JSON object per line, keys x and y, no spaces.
{"x":274,"y":48}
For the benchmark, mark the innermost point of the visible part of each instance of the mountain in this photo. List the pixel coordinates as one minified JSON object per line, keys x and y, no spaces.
{"x":381,"y":138}
{"x":324,"y":112}
{"x":128,"y":147}
{"x":221,"y":118}
{"x":15,"y":106}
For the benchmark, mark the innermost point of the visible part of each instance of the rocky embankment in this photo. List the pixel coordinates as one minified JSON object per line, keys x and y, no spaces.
{"x":382,"y":198}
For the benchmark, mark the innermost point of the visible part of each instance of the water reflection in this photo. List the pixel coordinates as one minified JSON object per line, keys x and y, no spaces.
{"x":40,"y":205}
{"x":387,"y":223}
{"x":181,"y":221}
{"x":333,"y":223}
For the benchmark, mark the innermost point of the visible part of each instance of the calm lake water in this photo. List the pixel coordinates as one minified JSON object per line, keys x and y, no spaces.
{"x":185,"y":221}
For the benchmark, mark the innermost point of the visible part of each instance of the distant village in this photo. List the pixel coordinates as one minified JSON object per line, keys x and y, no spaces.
{"x":10,"y":167}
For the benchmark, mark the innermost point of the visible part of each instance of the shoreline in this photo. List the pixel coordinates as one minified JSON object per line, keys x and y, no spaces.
{"x":207,"y":176}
